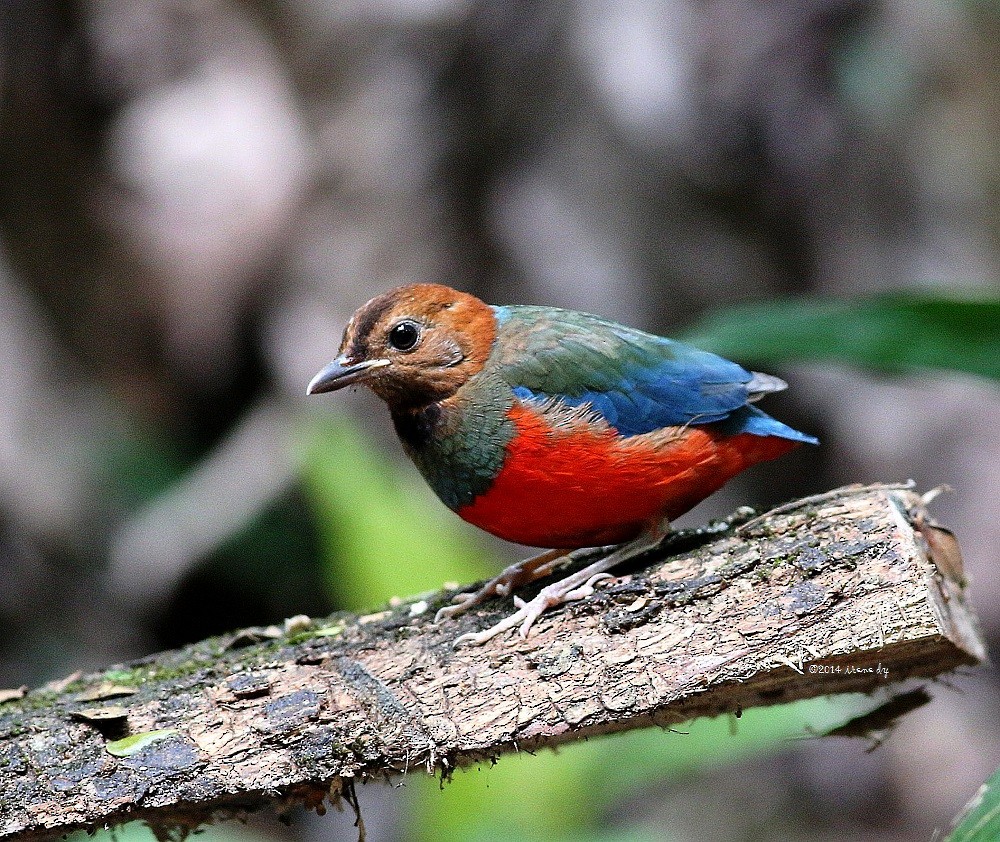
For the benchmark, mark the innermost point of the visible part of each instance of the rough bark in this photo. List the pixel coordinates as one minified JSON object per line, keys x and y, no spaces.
{"x":842,"y":592}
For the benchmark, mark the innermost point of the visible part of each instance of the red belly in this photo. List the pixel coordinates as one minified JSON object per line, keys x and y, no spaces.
{"x":584,"y":486}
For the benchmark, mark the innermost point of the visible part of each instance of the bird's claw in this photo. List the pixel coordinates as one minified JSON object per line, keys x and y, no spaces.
{"x":528,"y":612}
{"x":479,"y":638}
{"x":578,"y":585}
{"x":514,"y":576}
{"x":460,"y":603}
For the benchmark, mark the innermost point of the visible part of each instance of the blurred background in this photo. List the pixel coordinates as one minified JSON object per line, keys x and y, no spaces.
{"x":196,"y":194}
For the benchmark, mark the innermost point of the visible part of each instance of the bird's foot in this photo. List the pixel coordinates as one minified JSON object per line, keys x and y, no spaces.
{"x":527,"y":613}
{"x":578,"y":585}
{"x":513,"y":577}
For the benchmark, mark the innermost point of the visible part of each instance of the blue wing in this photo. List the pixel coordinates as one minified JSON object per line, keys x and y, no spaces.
{"x":637,"y":381}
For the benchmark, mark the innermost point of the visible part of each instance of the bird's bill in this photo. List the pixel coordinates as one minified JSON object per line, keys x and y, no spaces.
{"x":340,"y":373}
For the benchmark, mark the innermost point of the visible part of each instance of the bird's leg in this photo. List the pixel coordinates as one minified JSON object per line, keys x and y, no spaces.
{"x":514,"y":576}
{"x":578,"y":585}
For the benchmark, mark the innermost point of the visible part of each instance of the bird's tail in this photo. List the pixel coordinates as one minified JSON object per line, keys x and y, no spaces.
{"x":749,"y":419}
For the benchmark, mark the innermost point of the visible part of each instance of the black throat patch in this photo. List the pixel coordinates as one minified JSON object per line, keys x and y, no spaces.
{"x":416,"y":427}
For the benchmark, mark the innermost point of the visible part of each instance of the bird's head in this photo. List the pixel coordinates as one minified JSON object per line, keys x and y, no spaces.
{"x":412,"y":346}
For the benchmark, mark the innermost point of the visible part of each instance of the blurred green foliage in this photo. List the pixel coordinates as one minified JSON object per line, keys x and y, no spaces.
{"x":383,"y":533}
{"x":233,"y":585}
{"x":564,"y":794}
{"x":980,"y":820}
{"x":890,"y":333}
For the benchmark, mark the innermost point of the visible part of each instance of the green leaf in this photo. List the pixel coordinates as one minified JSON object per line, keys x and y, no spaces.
{"x":980,"y":820}
{"x":895,"y":332}
{"x":383,"y":532}
{"x":137,"y":742}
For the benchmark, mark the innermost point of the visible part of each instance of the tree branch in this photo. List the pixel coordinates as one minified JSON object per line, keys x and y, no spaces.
{"x":842,"y":592}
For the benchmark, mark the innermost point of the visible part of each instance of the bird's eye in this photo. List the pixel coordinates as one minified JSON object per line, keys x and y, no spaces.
{"x":404,"y":335}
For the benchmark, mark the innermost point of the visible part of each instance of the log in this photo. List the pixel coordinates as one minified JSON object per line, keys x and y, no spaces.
{"x":843,"y":592}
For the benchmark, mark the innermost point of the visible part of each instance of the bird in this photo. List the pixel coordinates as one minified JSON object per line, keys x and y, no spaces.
{"x":554,"y":428}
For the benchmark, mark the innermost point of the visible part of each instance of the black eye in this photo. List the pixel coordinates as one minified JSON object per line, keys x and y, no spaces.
{"x":404,"y":335}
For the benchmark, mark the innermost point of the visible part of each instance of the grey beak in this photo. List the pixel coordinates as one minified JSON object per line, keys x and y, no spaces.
{"x":340,"y":373}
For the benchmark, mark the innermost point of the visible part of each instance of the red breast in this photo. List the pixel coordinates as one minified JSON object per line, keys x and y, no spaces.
{"x":587,"y":486}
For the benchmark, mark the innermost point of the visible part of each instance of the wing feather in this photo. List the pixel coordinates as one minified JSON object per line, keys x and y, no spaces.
{"x":635,"y":381}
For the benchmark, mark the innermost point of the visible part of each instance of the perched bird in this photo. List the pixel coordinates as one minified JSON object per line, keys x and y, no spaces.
{"x":554,"y":428}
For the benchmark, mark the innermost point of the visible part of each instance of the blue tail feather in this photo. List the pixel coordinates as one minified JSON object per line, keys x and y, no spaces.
{"x":749,"y":419}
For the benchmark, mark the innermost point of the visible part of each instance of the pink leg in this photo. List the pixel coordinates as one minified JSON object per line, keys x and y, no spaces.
{"x":578,"y":585}
{"x":517,"y":575}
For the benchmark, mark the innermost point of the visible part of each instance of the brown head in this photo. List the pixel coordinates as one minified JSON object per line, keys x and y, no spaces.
{"x":412,"y":346}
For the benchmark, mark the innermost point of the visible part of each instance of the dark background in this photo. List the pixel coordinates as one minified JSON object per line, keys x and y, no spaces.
{"x":194,"y":196}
